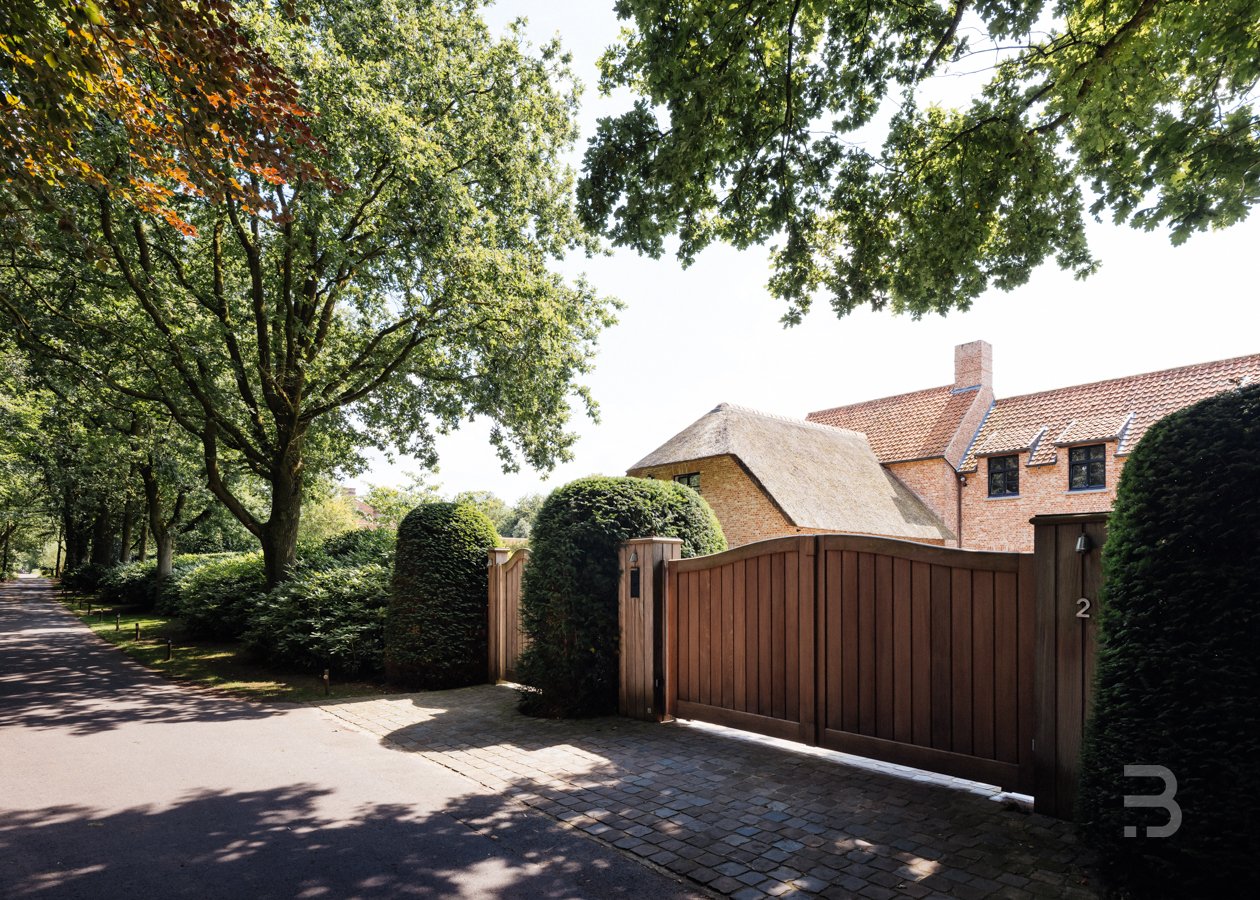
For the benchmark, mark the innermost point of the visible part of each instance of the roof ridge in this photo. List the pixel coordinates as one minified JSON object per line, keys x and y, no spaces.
{"x":1136,"y":375}
{"x":943,"y":387}
{"x":792,"y":420}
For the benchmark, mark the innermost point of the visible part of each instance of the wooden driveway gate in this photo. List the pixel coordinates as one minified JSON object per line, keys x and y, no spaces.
{"x":888,"y":649}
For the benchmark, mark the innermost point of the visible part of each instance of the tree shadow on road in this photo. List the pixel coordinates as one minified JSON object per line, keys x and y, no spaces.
{"x":55,"y":674}
{"x":293,"y":843}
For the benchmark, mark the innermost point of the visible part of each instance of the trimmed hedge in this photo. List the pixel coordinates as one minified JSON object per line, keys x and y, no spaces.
{"x":569,"y":599}
{"x":324,"y":617}
{"x":363,"y":546}
{"x":1178,"y":682}
{"x":435,"y":632}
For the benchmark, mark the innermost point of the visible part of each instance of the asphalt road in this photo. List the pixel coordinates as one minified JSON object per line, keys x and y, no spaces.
{"x":115,"y":783}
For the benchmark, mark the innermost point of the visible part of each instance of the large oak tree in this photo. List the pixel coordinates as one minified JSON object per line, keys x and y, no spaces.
{"x":403,"y":293}
{"x":807,"y":123}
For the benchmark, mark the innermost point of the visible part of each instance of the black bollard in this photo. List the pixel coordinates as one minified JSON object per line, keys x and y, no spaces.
{"x":118,"y":621}
{"x":168,"y":649}
{"x":326,"y":683}
{"x":137,"y":631}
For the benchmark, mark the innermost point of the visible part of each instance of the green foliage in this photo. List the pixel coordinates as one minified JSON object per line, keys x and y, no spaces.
{"x":83,"y":579}
{"x":569,"y":601}
{"x":436,"y":630}
{"x":410,"y":291}
{"x":324,"y":618}
{"x":1178,"y":685}
{"x":326,"y":516}
{"x":816,"y":124}
{"x":215,"y":598}
{"x":133,"y":584}
{"x":362,"y":546}
{"x":391,"y":504}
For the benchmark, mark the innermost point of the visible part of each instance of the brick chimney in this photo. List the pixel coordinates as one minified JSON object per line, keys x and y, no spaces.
{"x":973,"y":365}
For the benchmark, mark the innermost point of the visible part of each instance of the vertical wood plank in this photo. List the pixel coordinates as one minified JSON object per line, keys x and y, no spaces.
{"x":982,"y":660}
{"x":850,"y":678}
{"x":671,"y":641}
{"x":1006,"y":667}
{"x":739,"y":635}
{"x":705,"y":637}
{"x":728,"y":636}
{"x":942,"y":668}
{"x":921,"y":653}
{"x":715,"y":637}
{"x":884,"y":699}
{"x":1026,"y":626}
{"x":751,"y":679}
{"x":765,"y":674}
{"x":792,"y":636}
{"x":693,"y":636}
{"x":866,"y":644}
{"x":778,"y":662}
{"x":833,"y":625}
{"x":960,"y":592}
{"x":902,"y":660}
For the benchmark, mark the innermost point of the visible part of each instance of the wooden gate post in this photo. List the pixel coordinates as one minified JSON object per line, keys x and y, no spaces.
{"x":1067,"y":561}
{"x":496,"y":624}
{"x":640,"y":604}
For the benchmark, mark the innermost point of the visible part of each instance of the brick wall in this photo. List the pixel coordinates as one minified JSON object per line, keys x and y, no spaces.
{"x":1001,"y":523}
{"x":934,"y":481}
{"x":743,"y":508}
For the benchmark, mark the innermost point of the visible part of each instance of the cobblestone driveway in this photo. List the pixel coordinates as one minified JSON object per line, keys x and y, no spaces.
{"x":738,"y":816}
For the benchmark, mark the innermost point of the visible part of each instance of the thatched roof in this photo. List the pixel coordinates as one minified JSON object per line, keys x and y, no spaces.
{"x":820,"y":476}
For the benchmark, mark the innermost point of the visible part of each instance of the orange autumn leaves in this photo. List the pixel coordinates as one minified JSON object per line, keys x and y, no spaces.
{"x":151,"y":100}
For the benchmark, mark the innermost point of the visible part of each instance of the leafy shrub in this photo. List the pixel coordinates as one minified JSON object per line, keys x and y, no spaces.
{"x":435,"y":635}
{"x":569,"y":599}
{"x":1178,"y":684}
{"x":83,"y":579}
{"x":129,"y":585}
{"x":166,"y":594}
{"x":214,"y":598}
{"x":362,"y":546}
{"x":333,"y":617}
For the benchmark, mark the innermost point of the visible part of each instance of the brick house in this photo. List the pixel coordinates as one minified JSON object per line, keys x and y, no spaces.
{"x":767,"y":476}
{"x":985,"y":466}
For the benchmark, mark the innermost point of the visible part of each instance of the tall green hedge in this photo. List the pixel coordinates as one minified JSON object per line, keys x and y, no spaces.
{"x":569,"y":599}
{"x":435,"y":629}
{"x":1178,"y":679}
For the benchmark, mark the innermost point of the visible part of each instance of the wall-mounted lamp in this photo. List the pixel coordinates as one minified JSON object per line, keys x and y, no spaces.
{"x":634,"y":557}
{"x":1084,"y":544}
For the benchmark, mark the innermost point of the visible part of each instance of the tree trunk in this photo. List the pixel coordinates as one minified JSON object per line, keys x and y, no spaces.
{"x":142,"y":552}
{"x":102,"y":539}
{"x":280,"y":532}
{"x":77,"y":540}
{"x":165,"y":554}
{"x":57,"y":563}
{"x":163,"y":534}
{"x":4,"y":566}
{"x":128,"y":528}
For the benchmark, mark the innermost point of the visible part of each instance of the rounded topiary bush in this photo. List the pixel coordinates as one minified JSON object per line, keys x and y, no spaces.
{"x":1178,"y":681}
{"x":435,"y":629}
{"x":569,"y":595}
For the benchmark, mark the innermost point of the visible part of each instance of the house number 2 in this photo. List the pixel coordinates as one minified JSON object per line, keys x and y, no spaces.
{"x":1083,"y":612}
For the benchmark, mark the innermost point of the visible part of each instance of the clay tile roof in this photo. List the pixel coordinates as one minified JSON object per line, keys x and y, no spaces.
{"x":821,"y":477}
{"x":918,"y":425}
{"x":1118,"y":410}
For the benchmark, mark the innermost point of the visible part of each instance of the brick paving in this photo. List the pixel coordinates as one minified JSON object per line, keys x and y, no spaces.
{"x":741,"y":817}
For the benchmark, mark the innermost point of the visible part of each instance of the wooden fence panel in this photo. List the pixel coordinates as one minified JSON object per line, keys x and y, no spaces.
{"x":740,"y":638}
{"x":506,"y":641}
{"x":925,"y":643}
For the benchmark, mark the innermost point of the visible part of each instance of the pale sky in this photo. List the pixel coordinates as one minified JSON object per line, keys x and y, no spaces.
{"x":689,"y":339}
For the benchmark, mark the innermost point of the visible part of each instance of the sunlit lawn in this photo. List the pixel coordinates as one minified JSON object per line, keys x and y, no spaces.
{"x":226,"y":667}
